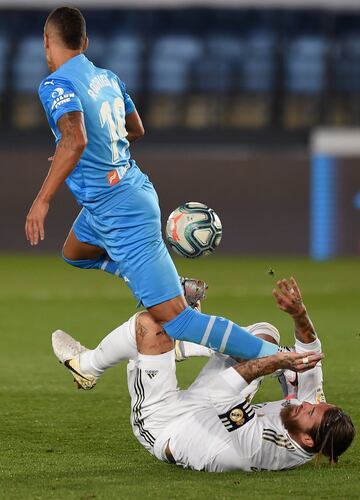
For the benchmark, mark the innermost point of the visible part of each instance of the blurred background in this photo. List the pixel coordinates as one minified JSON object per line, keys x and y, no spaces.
{"x":230,"y":96}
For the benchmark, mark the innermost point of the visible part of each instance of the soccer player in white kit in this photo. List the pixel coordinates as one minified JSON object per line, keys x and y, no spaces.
{"x":213,"y":426}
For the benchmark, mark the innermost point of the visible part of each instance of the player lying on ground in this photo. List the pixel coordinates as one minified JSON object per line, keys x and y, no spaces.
{"x":212,"y":426}
{"x":118,"y":229}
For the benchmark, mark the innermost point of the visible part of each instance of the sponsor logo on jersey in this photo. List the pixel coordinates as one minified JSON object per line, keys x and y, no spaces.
{"x":113,"y":177}
{"x":49,"y":82}
{"x":61,"y":99}
{"x":151,"y":373}
{"x":57,"y":92}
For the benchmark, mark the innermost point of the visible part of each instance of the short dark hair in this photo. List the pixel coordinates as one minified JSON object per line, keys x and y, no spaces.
{"x":334,"y":434}
{"x":70,"y":24}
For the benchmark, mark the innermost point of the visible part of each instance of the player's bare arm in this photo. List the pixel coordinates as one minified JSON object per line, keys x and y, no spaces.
{"x":134,"y":126}
{"x":68,"y":153}
{"x":288,"y":298}
{"x":254,"y":368}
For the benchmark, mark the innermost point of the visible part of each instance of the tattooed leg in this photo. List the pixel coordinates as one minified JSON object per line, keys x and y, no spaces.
{"x":151,"y":339}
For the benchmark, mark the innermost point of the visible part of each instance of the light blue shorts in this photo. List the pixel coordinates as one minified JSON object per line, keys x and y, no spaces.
{"x":130,"y":233}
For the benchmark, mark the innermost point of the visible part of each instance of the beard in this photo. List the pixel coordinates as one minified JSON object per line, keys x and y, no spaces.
{"x":287,"y":417}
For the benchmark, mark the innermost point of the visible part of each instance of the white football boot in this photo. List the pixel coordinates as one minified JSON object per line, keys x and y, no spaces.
{"x":68,"y":350}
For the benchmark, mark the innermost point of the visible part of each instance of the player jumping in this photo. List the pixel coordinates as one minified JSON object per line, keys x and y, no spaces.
{"x":118,"y":229}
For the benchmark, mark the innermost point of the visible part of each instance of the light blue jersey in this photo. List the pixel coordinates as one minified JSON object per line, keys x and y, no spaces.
{"x":105,"y":167}
{"x":120,"y":211}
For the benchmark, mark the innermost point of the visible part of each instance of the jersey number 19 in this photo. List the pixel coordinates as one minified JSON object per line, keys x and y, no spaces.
{"x":115,"y":120}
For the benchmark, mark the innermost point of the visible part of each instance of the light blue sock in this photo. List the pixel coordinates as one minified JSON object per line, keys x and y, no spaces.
{"x":104,"y":263}
{"x":219,"y":334}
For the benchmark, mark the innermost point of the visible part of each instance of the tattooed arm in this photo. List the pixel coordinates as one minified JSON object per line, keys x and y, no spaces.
{"x":67,"y":155}
{"x":254,"y":368}
{"x":288,"y":298}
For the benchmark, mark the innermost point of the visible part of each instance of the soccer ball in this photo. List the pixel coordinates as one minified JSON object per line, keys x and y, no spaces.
{"x":193,"y":230}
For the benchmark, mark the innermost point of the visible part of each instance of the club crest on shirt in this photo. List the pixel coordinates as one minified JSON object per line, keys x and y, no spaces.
{"x":237,"y":416}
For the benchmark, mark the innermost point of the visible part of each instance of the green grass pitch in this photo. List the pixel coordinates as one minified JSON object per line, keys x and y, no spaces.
{"x":57,"y":442}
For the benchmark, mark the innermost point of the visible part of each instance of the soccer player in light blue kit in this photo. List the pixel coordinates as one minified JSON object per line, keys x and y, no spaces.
{"x":118,"y":229}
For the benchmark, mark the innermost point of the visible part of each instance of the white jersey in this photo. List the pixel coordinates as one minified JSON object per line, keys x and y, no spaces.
{"x":212,"y":426}
{"x":240,"y":439}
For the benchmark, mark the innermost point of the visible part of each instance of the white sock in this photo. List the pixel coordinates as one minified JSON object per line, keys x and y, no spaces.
{"x":189,"y":349}
{"x":120,"y":344}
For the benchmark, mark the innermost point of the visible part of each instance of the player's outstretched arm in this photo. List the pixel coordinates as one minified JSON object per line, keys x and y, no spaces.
{"x":134,"y":126}
{"x":67,"y":155}
{"x":288,"y":298}
{"x":297,"y":362}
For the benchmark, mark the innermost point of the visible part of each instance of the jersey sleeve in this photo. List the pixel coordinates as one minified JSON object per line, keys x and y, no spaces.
{"x":310,"y":383}
{"x":58,"y":97}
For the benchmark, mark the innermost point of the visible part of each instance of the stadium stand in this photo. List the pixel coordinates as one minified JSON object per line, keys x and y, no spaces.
{"x":204,"y":68}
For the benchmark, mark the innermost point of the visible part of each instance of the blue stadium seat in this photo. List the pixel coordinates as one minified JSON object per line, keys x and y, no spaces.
{"x":225,"y":47}
{"x":216,"y":70}
{"x":171,"y":63}
{"x":4,"y":46}
{"x":212,"y":75}
{"x":305,"y":65}
{"x":259,"y":66}
{"x":29,"y":65}
{"x":180,"y":47}
{"x":346,"y":64}
{"x":124,"y":56}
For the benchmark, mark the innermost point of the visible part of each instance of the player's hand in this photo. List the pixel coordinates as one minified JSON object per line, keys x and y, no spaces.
{"x":288,"y":297}
{"x":34,"y":226}
{"x":299,"y":361}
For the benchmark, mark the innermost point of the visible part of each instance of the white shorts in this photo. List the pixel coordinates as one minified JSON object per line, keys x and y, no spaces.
{"x":155,"y":397}
{"x":157,"y":404}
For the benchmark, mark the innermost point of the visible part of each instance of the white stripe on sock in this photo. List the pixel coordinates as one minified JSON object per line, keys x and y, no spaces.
{"x":226,"y":336}
{"x":208,"y":330}
{"x":104,"y":264}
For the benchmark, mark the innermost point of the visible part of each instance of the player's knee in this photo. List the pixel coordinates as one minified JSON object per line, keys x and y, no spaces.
{"x":151,"y":339}
{"x":166,"y":311}
{"x":82,"y":264}
{"x":67,"y":259}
